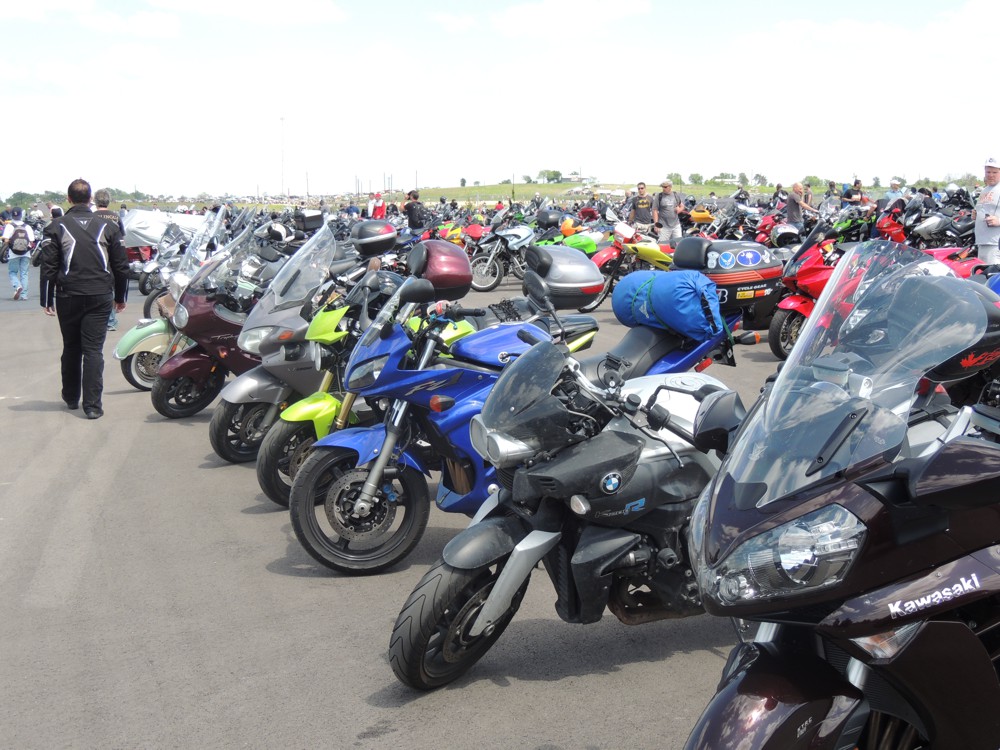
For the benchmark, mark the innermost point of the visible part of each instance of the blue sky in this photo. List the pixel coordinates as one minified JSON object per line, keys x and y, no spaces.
{"x":186,"y":96}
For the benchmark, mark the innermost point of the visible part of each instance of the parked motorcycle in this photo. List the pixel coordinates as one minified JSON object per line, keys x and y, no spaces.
{"x":359,"y":503}
{"x":500,"y":252}
{"x":275,"y":331}
{"x":597,"y":482}
{"x":208,"y":318}
{"x":853,"y":524}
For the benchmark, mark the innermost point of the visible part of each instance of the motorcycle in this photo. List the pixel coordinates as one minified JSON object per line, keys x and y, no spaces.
{"x":851,"y":529}
{"x":275,"y":331}
{"x":597,"y":482}
{"x":208,"y":318}
{"x":500,"y":252}
{"x":141,"y":348}
{"x":359,"y":503}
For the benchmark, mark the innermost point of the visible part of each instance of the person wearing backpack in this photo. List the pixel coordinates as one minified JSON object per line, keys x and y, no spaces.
{"x":18,"y":239}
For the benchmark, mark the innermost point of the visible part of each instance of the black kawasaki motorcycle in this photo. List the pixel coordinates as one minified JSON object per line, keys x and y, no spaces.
{"x":854,"y":525}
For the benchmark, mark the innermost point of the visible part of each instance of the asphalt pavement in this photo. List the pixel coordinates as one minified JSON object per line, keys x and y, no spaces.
{"x":153,"y":597}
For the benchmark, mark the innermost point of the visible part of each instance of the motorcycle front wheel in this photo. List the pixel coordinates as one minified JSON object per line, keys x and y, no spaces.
{"x":335,"y":531}
{"x":236,"y":430}
{"x":149,"y":304}
{"x":176,"y":398}
{"x":430,"y":644}
{"x":148,"y":282}
{"x":284,"y":449}
{"x":487,"y":273}
{"x":786,"y":325}
{"x":140,"y":369}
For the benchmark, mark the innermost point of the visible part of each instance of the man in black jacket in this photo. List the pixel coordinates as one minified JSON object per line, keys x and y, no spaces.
{"x":86,"y":263}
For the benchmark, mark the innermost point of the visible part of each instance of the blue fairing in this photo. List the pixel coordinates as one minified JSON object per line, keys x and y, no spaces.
{"x":366,"y":442}
{"x":495,"y":345}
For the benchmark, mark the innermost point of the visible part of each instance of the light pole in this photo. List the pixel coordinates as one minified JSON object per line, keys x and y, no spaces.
{"x":283,"y":158}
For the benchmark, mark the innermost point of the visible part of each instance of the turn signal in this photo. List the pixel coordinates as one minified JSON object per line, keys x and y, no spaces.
{"x":441,"y":403}
{"x":703,"y":365}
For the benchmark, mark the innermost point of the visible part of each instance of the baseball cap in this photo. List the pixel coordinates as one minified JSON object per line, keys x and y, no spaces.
{"x":17,"y":213}
{"x":992,"y":162}
{"x":666,"y":183}
{"x":378,"y":195}
{"x":893,"y":182}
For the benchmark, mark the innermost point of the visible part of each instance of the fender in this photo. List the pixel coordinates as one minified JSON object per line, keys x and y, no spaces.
{"x":367,"y":442}
{"x":148,"y":335}
{"x":484,"y":543}
{"x":319,"y":408}
{"x":257,"y":386}
{"x":193,"y":362}
{"x":799,"y":303}
{"x":776,"y":697}
{"x":605,"y":255}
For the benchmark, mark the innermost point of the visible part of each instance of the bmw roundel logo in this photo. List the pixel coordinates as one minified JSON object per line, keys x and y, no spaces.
{"x":611,"y":483}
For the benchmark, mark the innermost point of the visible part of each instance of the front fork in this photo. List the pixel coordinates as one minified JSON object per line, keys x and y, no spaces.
{"x":394,"y":429}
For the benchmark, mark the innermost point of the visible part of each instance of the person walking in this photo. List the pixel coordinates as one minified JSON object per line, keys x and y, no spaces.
{"x":987,"y":215}
{"x":18,"y":238}
{"x":666,"y":208}
{"x":86,"y":262}
{"x":102,"y":199}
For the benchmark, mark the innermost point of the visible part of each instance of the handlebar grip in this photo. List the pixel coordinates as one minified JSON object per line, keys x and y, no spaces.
{"x":528,"y":337}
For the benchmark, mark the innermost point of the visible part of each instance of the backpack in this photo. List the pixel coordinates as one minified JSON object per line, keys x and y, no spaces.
{"x":19,"y":242}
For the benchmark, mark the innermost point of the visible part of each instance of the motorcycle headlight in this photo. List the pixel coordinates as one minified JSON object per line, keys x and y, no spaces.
{"x":250,"y":340}
{"x":177,"y":284}
{"x":500,"y":450}
{"x":808,"y":553}
{"x":180,"y":317}
{"x":366,"y":373}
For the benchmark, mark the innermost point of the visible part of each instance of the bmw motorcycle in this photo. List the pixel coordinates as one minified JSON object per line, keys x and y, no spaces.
{"x":853,"y":528}
{"x":597,"y":483}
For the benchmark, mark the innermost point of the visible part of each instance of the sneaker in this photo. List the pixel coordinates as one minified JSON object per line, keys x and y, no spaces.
{"x":17,"y":293}
{"x":94,"y":412}
{"x":112,"y":328}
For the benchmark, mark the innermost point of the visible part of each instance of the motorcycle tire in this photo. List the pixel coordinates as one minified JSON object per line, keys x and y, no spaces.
{"x":486,"y":274}
{"x":149,"y":305}
{"x":146,"y":283}
{"x":140,"y":369}
{"x":237,"y":430}
{"x":609,"y":285}
{"x":786,"y":325}
{"x":284,"y":449}
{"x":518,"y":265}
{"x":429,"y":646}
{"x":176,"y":398}
{"x":321,"y":508}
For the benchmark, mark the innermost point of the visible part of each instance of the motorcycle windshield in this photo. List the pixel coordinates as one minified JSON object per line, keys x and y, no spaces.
{"x":886,"y":317}
{"x":521,"y":404}
{"x":386,"y":317}
{"x":305,"y":271}
{"x":226,"y":264}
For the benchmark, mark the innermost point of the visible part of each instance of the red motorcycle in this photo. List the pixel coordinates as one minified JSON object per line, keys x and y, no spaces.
{"x":808,"y":270}
{"x":209,"y":316}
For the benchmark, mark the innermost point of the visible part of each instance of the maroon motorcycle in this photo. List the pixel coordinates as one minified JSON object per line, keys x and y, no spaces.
{"x":853,"y":528}
{"x":208,"y":317}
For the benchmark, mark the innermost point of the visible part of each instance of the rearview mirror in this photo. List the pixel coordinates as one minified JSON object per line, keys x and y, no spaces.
{"x":420,"y":290}
{"x":719,"y":417}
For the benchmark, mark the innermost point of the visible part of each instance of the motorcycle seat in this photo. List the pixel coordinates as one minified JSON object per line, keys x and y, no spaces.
{"x":641,"y":347}
{"x":691,"y":253}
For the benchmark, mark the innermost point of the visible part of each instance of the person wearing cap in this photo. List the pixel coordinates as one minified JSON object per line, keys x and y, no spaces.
{"x":893,"y":192}
{"x":987,"y":215}
{"x":20,"y":261}
{"x":641,"y":214}
{"x":378,"y":207}
{"x":666,"y":207}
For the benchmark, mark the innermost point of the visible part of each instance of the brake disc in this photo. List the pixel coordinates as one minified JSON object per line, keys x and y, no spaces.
{"x":343,"y":512}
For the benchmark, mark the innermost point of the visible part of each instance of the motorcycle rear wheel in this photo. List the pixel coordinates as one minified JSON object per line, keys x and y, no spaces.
{"x":236,"y":430}
{"x":610,"y":271}
{"x":147,"y":282}
{"x":284,"y":449}
{"x":786,"y":325}
{"x":176,"y":398}
{"x":322,"y":508}
{"x":429,"y":646}
{"x":486,"y":274}
{"x":140,"y":369}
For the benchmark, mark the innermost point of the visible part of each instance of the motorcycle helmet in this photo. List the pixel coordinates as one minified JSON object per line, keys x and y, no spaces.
{"x":950,"y":189}
{"x":181,"y":208}
{"x":569,"y":226}
{"x":443,"y":200}
{"x":277,"y":232}
{"x":784,"y":235}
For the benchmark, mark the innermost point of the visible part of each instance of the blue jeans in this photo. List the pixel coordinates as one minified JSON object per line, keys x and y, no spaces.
{"x":18,"y":271}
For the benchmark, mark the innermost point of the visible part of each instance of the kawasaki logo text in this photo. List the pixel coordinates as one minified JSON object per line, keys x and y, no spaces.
{"x":912,"y":606}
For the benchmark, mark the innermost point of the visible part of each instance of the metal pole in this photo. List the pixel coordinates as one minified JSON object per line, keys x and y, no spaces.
{"x":283,"y":157}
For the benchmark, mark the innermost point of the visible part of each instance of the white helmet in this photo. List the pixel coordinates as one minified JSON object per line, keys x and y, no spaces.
{"x":181,"y":208}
